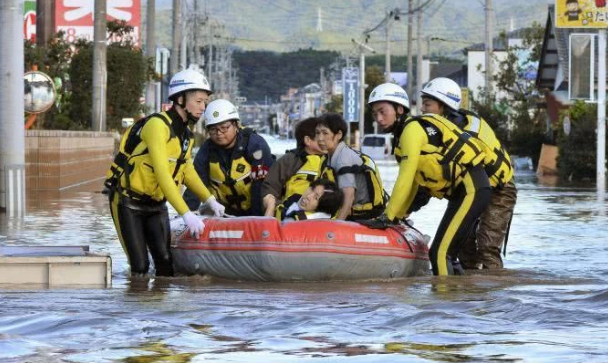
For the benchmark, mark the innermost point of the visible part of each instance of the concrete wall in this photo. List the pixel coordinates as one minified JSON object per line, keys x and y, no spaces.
{"x":60,"y":160}
{"x":477,"y":77}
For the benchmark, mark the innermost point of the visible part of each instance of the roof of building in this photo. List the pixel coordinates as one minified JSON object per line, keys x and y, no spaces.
{"x":498,"y":43}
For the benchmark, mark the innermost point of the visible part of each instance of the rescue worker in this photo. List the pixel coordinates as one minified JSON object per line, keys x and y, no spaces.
{"x":355,"y":173}
{"x":435,"y":155}
{"x":482,"y":249}
{"x":293,"y":172}
{"x":232,"y":163}
{"x":154,"y":159}
{"x":321,"y":200}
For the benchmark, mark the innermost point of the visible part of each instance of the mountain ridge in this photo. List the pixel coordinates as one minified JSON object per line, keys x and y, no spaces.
{"x":284,"y":26}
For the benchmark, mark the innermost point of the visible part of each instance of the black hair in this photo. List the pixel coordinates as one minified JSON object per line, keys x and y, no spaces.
{"x":305,"y":128}
{"x":332,"y":198}
{"x":447,"y":110}
{"x":334,"y":122}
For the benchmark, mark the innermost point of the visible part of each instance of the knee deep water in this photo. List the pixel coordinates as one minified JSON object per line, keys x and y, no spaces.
{"x":550,"y":304}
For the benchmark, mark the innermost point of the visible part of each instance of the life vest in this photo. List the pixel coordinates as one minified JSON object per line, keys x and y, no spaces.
{"x":131,"y":172}
{"x":377,"y":195}
{"x":313,"y":168}
{"x":448,"y":155}
{"x":497,"y":162}
{"x":231,"y":184}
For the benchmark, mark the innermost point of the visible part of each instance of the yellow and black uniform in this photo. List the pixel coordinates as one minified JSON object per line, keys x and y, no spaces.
{"x":291,"y":175}
{"x":234,"y":176}
{"x":153,"y":161}
{"x":497,"y":161}
{"x":483,"y":247}
{"x":436,"y":155}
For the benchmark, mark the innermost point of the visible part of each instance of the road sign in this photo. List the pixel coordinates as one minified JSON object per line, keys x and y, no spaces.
{"x":75,"y":17}
{"x":350,"y":79}
{"x":29,"y":20}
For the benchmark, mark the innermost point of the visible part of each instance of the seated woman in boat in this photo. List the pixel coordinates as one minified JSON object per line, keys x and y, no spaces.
{"x":321,"y":200}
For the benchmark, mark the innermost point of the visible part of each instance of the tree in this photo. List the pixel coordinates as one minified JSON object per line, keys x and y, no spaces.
{"x":374,"y":76}
{"x":516,"y":118}
{"x":128,"y":69}
{"x":578,"y":150}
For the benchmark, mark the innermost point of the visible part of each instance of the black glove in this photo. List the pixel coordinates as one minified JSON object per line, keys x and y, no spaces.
{"x":380,"y":222}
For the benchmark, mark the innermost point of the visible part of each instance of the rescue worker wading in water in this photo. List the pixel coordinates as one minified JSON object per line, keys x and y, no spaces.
{"x":232,"y":163}
{"x":153,"y":161}
{"x":435,"y":155}
{"x":482,"y":249}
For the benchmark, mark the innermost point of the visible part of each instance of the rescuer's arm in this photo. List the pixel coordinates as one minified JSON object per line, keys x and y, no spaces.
{"x":411,"y":141}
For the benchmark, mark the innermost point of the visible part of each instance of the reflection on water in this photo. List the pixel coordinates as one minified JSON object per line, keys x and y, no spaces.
{"x":549,"y":305}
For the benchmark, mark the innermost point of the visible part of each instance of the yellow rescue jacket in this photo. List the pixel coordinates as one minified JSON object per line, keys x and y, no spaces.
{"x":446,"y":157}
{"x":131,"y":172}
{"x":231,"y":184}
{"x":497,"y":161}
{"x":313,"y":168}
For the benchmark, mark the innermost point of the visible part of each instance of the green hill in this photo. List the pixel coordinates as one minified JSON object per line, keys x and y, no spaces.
{"x":286,"y":25}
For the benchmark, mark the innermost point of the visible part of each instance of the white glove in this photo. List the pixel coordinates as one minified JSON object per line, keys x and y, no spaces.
{"x":217,"y":208}
{"x":194,"y":223}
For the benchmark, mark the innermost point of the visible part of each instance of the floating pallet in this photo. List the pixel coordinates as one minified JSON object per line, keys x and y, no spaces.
{"x":54,"y":266}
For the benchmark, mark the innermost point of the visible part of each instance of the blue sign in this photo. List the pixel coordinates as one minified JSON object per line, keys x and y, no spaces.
{"x":350,"y":96}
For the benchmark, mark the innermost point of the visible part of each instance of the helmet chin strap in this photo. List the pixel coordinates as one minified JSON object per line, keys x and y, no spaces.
{"x":399,"y":118}
{"x":189,"y":116}
{"x":191,"y":119}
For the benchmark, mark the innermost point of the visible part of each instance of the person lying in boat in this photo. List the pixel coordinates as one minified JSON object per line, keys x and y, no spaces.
{"x":293,"y":172}
{"x":321,"y":200}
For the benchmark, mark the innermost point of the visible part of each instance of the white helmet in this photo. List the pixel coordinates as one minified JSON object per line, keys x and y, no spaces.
{"x":219,"y":111}
{"x":188,"y":80}
{"x":444,"y":90}
{"x":390,"y":92}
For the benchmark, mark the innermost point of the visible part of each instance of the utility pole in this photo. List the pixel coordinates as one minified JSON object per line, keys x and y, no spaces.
{"x":362,"y":48}
{"x":323,"y":85}
{"x":100,"y":75}
{"x":601,"y":115}
{"x":387,"y":60}
{"x":12,"y":133}
{"x":410,"y":38}
{"x":390,"y":16}
{"x":210,"y":73}
{"x":45,"y":22}
{"x":177,"y":36}
{"x":419,"y":36}
{"x":184,"y":39}
{"x":489,"y":46}
{"x":150,"y":52}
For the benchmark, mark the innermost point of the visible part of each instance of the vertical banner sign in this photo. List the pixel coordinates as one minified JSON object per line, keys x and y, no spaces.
{"x":581,"y":14}
{"x":75,"y":17}
{"x":350,"y":95}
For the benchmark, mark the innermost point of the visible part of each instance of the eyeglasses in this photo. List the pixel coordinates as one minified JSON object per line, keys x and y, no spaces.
{"x":214,"y":130}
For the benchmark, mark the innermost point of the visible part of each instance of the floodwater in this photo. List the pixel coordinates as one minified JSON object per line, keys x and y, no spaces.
{"x":550,"y":304}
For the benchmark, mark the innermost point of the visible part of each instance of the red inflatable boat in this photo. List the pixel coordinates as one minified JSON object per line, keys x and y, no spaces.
{"x":263,"y":249}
